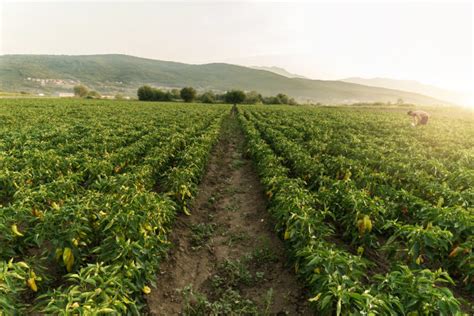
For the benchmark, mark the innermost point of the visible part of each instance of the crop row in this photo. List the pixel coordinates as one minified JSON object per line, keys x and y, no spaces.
{"x":84,"y":223}
{"x":435,"y":237}
{"x":430,"y":171}
{"x":336,"y":273}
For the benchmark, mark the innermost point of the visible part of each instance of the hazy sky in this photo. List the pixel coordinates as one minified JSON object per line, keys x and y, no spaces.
{"x":426,"y":41}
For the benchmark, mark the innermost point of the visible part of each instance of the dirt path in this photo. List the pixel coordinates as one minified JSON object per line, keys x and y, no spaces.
{"x":226,"y":258}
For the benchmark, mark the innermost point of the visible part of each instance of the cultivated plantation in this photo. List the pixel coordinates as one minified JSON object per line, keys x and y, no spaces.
{"x":376,"y":216}
{"x":88,"y":192}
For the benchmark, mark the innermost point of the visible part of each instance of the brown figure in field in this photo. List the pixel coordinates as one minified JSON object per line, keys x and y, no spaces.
{"x":419,"y":117}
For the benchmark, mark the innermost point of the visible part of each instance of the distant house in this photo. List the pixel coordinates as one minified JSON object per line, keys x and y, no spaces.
{"x":65,"y":94}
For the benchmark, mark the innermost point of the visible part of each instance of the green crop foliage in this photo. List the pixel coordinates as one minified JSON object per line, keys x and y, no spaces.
{"x":378,"y":215}
{"x":88,"y":192}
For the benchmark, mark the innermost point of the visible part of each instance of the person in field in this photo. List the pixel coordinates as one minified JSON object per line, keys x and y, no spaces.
{"x":419,"y":117}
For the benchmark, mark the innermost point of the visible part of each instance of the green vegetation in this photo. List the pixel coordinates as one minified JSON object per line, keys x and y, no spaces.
{"x":111,"y":74}
{"x":188,"y":94}
{"x":80,"y":91}
{"x":14,"y":94}
{"x":207,"y":97}
{"x":201,"y":234}
{"x":226,"y":288}
{"x":88,"y":192}
{"x":147,"y":93}
{"x":234,"y":97}
{"x":378,"y":215}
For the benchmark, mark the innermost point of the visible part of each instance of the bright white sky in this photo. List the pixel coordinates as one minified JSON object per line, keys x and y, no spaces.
{"x":428,"y":41}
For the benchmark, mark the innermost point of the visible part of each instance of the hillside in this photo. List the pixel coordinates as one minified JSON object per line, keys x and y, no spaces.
{"x":121,"y":73}
{"x":279,"y":71}
{"x":411,"y":86}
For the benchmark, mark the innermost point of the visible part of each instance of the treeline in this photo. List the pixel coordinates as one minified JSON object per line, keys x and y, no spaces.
{"x":147,"y":93}
{"x":83,"y":92}
{"x":189,"y":94}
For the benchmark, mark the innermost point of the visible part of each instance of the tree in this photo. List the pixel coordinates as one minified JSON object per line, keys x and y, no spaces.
{"x":168,"y":96}
{"x":208,"y":97}
{"x":145,"y":93}
{"x":175,"y":93}
{"x":282,"y":98}
{"x":80,"y":91}
{"x":188,"y":94}
{"x":271,"y":100}
{"x":219,"y":98}
{"x":158,"y":95}
{"x":93,"y":95}
{"x":292,"y":102}
{"x":253,"y":97}
{"x":234,"y":97}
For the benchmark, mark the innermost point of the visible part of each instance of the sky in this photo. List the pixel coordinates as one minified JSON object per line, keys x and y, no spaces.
{"x":427,"y":41}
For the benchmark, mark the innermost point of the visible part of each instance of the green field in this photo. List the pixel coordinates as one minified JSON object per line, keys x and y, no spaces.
{"x":377,"y":215}
{"x":88,"y":191}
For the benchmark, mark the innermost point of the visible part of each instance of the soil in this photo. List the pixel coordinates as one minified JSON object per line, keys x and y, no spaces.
{"x":227,"y":246}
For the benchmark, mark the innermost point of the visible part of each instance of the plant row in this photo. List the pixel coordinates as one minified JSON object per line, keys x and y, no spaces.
{"x":430,"y":236}
{"x":337,"y":276}
{"x":84,"y":228}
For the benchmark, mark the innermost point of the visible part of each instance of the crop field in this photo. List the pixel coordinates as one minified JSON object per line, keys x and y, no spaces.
{"x":87,"y":193}
{"x":376,"y":216}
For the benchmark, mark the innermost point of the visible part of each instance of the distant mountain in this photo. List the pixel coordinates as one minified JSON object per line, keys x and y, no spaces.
{"x":279,"y":71}
{"x":411,"y":86}
{"x":110,"y":74}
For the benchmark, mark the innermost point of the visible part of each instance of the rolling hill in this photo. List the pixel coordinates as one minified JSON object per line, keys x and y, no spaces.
{"x":411,"y":86}
{"x":110,"y":74}
{"x":279,"y":71}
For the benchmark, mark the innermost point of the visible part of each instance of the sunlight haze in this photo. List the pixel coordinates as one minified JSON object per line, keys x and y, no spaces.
{"x":236,"y":157}
{"x":427,"y":42}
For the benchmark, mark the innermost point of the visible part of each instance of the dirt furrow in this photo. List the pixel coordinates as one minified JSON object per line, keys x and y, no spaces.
{"x":226,"y":259}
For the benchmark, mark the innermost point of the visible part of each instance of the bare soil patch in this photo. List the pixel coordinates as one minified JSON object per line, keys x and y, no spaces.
{"x":226,"y":258}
